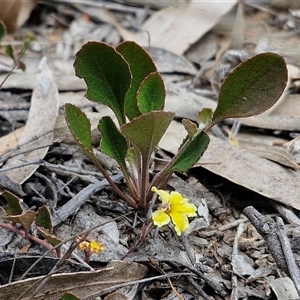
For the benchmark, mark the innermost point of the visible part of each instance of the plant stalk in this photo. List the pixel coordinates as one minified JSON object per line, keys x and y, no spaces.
{"x":130,"y":201}
{"x":160,"y":178}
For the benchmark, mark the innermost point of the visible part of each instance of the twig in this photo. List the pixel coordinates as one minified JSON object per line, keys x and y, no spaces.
{"x":15,"y":65}
{"x":266,"y":227}
{"x":74,"y":204}
{"x":288,"y":253}
{"x":12,"y":269}
{"x":234,"y":292}
{"x":159,"y":269}
{"x":196,"y":269}
{"x":191,"y":281}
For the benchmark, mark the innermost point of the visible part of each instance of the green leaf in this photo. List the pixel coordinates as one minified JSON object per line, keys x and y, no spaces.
{"x":79,"y":126}
{"x":141,"y":65}
{"x":13,"y":203}
{"x":106,"y":74}
{"x":151,"y":93}
{"x":69,"y":296}
{"x":204,"y":118}
{"x":2,"y":30}
{"x":113,"y":142}
{"x":9,"y":51}
{"x":191,"y":153}
{"x":43,"y":218}
{"x":146,"y":130}
{"x":252,"y":87}
{"x":52,"y":239}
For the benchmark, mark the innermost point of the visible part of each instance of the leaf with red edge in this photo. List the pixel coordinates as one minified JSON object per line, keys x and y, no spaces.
{"x":146,"y":130}
{"x":107,"y":76}
{"x":141,"y":65}
{"x":13,"y":203}
{"x":252,"y":87}
{"x":79,"y":126}
{"x":151,"y":93}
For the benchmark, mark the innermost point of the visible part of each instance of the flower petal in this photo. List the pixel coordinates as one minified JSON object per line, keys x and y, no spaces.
{"x":96,"y":247}
{"x":164,"y":196}
{"x":180,"y":204}
{"x":180,"y":221}
{"x":160,"y":218}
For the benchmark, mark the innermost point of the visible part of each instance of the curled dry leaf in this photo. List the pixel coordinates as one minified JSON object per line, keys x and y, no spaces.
{"x":38,"y":133}
{"x":276,"y":154}
{"x":83,"y":284}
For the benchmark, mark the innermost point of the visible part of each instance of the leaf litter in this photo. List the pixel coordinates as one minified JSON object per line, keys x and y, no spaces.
{"x":219,"y":254}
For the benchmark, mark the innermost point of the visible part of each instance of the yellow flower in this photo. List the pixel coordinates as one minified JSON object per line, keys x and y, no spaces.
{"x":83,"y":246}
{"x":174,"y":207}
{"x":92,"y":247}
{"x":96,"y":247}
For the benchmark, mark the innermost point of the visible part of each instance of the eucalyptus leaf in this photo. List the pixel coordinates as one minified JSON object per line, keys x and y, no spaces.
{"x":146,"y":130}
{"x":106,"y":74}
{"x":141,"y":65}
{"x":113,"y":142}
{"x":252,"y":87}
{"x":191,"y":154}
{"x":151,"y":93}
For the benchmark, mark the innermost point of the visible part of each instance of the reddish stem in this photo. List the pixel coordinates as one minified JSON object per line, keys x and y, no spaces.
{"x":44,"y":243}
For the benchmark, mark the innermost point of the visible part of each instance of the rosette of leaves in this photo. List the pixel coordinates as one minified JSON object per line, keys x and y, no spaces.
{"x":125,"y":79}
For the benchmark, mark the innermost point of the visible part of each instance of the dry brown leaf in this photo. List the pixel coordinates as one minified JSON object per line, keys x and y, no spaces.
{"x":203,"y":50}
{"x":82,"y":284}
{"x":169,"y":62}
{"x":243,"y":168}
{"x":38,"y":133}
{"x":10,"y":141}
{"x":14,"y":13}
{"x":276,"y":154}
{"x":116,"y":296}
{"x":284,"y":288}
{"x":178,"y":26}
{"x":257,"y":174}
